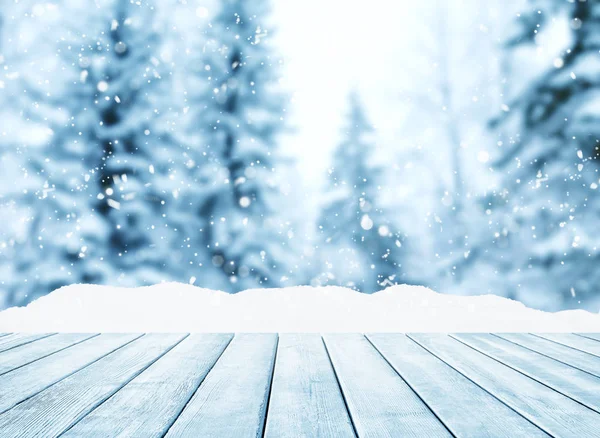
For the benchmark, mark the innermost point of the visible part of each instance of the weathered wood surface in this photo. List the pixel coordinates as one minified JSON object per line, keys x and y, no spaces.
{"x":28,"y":353}
{"x":594,"y":336}
{"x":54,"y":410}
{"x":306,"y":400}
{"x":299,"y":385}
{"x":150,"y":403}
{"x":575,"y":358}
{"x":233,"y":399}
{"x":29,"y":380}
{"x":14,"y":340}
{"x":548,"y":409}
{"x":573,"y":383}
{"x":450,"y":394}
{"x":571,"y":340}
{"x":379,"y":401}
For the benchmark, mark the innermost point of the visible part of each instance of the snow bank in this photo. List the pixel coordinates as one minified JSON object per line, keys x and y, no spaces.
{"x":176,"y":307}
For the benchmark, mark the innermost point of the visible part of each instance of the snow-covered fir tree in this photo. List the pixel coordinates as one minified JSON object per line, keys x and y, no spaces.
{"x":6,"y":205}
{"x":51,"y":161}
{"x":545,"y":217}
{"x":97,"y":184}
{"x":138,"y":164}
{"x":240,"y":111}
{"x":359,"y":245}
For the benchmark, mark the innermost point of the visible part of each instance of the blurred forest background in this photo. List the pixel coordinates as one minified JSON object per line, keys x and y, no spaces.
{"x":235,"y":144}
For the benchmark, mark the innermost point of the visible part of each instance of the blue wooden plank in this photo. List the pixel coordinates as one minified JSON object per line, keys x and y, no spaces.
{"x":28,"y":353}
{"x":379,"y":401}
{"x":556,"y":414}
{"x":573,"y":383}
{"x":450,"y":394}
{"x":306,"y":400}
{"x":232,"y":400}
{"x":571,"y":340}
{"x":594,"y":336}
{"x":575,"y":358}
{"x":27,"y":381}
{"x":51,"y":412}
{"x":16,"y":339}
{"x":59,"y":384}
{"x":150,"y":403}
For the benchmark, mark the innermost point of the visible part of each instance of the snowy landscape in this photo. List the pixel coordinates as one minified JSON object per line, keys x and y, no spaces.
{"x":326,"y":166}
{"x":260,"y":218}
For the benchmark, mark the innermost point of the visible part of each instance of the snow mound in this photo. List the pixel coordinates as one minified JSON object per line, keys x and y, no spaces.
{"x":173,"y":307}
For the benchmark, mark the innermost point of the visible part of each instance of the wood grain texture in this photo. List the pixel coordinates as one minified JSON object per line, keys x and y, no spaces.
{"x":594,"y":336}
{"x":575,"y":358}
{"x":553,"y":412}
{"x":580,"y":343}
{"x":52,"y":411}
{"x":27,"y":381}
{"x":232,"y":400}
{"x":464,"y":385}
{"x":381,"y":404}
{"x":25,"y":354}
{"x":305,"y":397}
{"x":573,"y":383}
{"x":148,"y":405}
{"x":15,"y":339}
{"x":449,"y":394}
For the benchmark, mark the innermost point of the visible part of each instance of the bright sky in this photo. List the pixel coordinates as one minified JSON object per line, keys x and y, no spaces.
{"x":330,"y":47}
